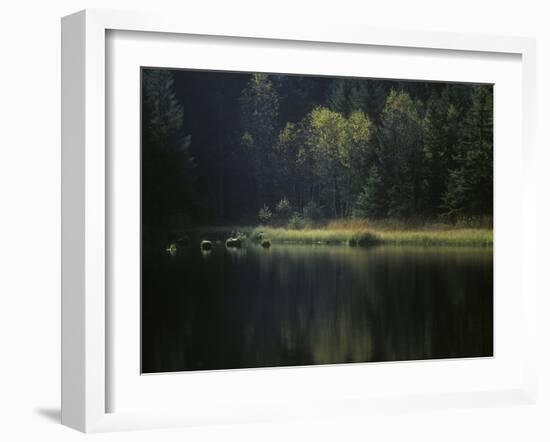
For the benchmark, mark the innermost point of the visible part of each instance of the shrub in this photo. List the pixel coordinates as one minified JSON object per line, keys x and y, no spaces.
{"x":296,"y":222}
{"x":363,"y":239}
{"x":257,"y":235}
{"x":265,"y":214}
{"x":283,"y":210}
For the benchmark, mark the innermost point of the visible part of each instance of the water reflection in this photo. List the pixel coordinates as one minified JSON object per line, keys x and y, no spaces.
{"x":296,"y":305}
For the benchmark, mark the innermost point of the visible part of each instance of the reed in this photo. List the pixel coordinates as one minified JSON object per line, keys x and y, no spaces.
{"x":361,"y":232}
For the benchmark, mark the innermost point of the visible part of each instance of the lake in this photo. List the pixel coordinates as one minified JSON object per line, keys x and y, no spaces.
{"x":313,"y":304}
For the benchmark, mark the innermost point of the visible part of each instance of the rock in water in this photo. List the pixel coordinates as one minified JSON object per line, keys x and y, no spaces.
{"x":233,"y":242}
{"x":206,"y":245}
{"x":266,"y":243}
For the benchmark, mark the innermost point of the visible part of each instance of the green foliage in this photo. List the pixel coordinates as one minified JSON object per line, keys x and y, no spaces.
{"x":348,"y":95}
{"x":283,"y":209}
{"x":162,"y":112}
{"x":288,"y":142}
{"x":259,"y":114}
{"x":265,"y":214}
{"x":339,"y":149}
{"x":260,"y":107}
{"x":455,"y":199}
{"x":247,"y":141}
{"x":400,"y":154}
{"x":380,"y":233}
{"x":165,"y":149}
{"x":359,"y":153}
{"x":441,"y":138}
{"x":469,"y":189}
{"x":296,"y":222}
{"x":363,"y":239}
{"x":327,"y":140}
{"x":336,"y":148}
{"x":371,"y":202}
{"x":294,"y":160}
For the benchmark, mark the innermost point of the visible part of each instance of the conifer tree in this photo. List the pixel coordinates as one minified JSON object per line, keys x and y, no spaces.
{"x":400,"y":154}
{"x":259,"y":117}
{"x":168,"y":197}
{"x":470,"y":186}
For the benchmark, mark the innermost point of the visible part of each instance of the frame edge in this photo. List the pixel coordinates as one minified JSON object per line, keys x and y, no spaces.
{"x":73,"y":81}
{"x":83,"y":222}
{"x":83,"y":184}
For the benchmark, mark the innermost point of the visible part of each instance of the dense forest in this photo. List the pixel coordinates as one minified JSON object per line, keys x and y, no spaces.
{"x":224,"y":148}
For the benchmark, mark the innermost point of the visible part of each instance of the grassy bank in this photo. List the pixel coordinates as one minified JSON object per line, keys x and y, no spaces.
{"x":454,"y":237}
{"x":360,"y":233}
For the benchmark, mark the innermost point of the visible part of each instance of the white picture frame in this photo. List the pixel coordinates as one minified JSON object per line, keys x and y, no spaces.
{"x":85,"y":202}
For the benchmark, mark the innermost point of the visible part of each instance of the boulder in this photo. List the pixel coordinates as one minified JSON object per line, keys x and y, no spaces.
{"x":234,"y":242}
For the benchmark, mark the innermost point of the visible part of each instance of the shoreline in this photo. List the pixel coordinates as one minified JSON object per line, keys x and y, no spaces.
{"x":436,"y":235}
{"x":367,"y":237}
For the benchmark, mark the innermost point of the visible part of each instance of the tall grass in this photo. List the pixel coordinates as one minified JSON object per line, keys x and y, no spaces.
{"x":484,"y":223}
{"x":306,"y":235}
{"x":453,"y":237}
{"x":365,"y":232}
{"x":360,"y":232}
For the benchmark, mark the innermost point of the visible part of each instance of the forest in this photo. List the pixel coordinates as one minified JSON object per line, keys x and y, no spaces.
{"x":298,"y":152}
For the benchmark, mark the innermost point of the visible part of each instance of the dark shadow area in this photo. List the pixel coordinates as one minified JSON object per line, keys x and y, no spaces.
{"x":51,"y":414}
{"x":293,"y":304}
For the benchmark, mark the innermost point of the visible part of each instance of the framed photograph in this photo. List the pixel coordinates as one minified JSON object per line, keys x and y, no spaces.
{"x":276,"y":222}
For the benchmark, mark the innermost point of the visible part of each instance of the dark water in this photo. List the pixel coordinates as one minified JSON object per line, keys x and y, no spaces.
{"x":303,"y":305}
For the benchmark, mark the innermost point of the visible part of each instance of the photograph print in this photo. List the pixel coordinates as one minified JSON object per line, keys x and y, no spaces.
{"x":295,"y":220}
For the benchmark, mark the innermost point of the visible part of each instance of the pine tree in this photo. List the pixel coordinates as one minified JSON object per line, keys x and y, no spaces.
{"x":455,"y":199}
{"x":470,"y":187}
{"x":372,"y":201}
{"x":259,"y":117}
{"x":167,"y":179}
{"x":441,"y":131}
{"x":400,"y":154}
{"x":348,"y":94}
